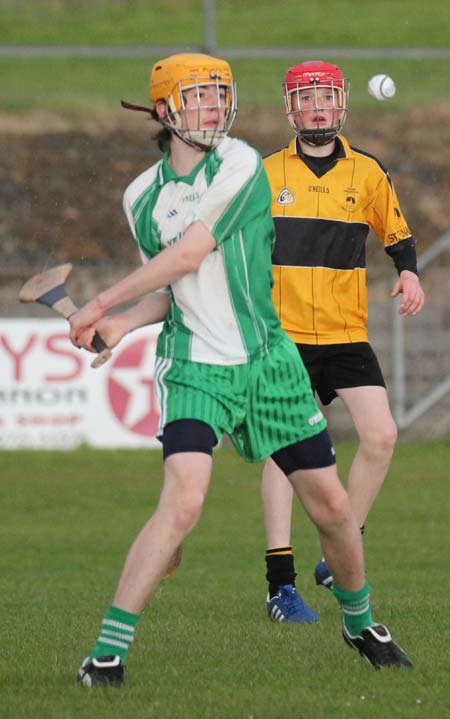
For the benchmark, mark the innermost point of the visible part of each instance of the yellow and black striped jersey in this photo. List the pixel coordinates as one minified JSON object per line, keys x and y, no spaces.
{"x":323,"y":212}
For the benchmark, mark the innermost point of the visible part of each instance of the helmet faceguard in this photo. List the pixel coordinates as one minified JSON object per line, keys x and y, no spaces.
{"x":312,"y":76}
{"x":169,"y":81}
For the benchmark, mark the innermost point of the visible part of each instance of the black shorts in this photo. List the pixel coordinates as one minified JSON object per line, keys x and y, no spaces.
{"x":333,"y":367}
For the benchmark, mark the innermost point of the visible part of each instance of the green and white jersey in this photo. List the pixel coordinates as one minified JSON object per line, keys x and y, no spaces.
{"x":222,"y":313}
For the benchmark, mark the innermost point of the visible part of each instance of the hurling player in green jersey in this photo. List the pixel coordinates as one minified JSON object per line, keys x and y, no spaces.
{"x":202,"y":220}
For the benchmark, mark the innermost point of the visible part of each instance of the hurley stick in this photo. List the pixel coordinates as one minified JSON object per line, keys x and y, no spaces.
{"x":48,"y":288}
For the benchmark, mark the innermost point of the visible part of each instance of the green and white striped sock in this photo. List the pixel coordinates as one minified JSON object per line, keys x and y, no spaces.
{"x":116,"y":635}
{"x":357,"y":614}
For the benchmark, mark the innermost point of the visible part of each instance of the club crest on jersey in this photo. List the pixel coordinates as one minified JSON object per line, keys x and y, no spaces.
{"x":351,"y":199}
{"x":285,"y":197}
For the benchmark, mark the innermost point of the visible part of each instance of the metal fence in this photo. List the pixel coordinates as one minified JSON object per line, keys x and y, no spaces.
{"x":414,"y":352}
{"x":209,"y":45}
{"x":421,"y":345}
{"x":230,"y":53}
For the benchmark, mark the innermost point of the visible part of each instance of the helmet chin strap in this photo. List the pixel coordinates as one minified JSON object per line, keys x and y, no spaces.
{"x":186,"y":140}
{"x":188,"y":137}
{"x":318,"y":137}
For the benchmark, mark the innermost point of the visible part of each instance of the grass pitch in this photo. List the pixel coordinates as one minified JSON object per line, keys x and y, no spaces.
{"x":204,"y":647}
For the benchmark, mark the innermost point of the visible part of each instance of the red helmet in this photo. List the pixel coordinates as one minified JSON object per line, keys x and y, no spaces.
{"x":314,"y":74}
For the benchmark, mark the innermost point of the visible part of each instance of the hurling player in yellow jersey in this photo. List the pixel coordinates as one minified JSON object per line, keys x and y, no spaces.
{"x":326,"y":196}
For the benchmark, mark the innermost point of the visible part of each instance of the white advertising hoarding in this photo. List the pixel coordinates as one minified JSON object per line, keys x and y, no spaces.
{"x":50,"y":397}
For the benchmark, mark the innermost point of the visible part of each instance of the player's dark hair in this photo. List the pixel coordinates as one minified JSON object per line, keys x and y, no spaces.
{"x":164,"y":135}
{"x":163,"y":138}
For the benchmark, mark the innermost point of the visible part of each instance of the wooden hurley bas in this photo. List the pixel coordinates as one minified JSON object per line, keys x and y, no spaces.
{"x":48,"y":288}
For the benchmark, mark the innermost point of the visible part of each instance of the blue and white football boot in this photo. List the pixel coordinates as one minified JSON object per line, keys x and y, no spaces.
{"x":323,"y":576}
{"x":288,"y":606}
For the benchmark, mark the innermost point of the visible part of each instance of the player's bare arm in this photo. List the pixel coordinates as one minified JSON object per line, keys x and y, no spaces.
{"x":170,"y":265}
{"x":413,"y":296}
{"x":151,"y":309}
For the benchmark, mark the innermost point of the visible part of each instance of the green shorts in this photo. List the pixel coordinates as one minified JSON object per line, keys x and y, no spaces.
{"x":263,"y":406}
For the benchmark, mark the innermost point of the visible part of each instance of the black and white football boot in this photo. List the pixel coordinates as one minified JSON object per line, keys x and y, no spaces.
{"x":101,"y":672}
{"x":377,"y":646}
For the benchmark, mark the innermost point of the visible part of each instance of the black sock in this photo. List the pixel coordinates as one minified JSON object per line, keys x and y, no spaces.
{"x":280,"y":568}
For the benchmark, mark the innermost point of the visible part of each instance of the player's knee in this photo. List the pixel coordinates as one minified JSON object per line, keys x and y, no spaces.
{"x":390,"y":436}
{"x":185,"y":510}
{"x":334,"y":509}
{"x":380,"y":444}
{"x":189,"y":512}
{"x":339,"y":510}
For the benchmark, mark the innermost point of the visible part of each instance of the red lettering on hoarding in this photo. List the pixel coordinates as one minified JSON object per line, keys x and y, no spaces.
{"x":52,"y":346}
{"x":17,"y":355}
{"x":51,"y":420}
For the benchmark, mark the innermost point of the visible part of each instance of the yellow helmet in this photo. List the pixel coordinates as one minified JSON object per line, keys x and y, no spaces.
{"x":172,"y":76}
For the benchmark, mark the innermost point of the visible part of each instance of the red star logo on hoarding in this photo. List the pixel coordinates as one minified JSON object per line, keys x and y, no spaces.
{"x":131,"y":390}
